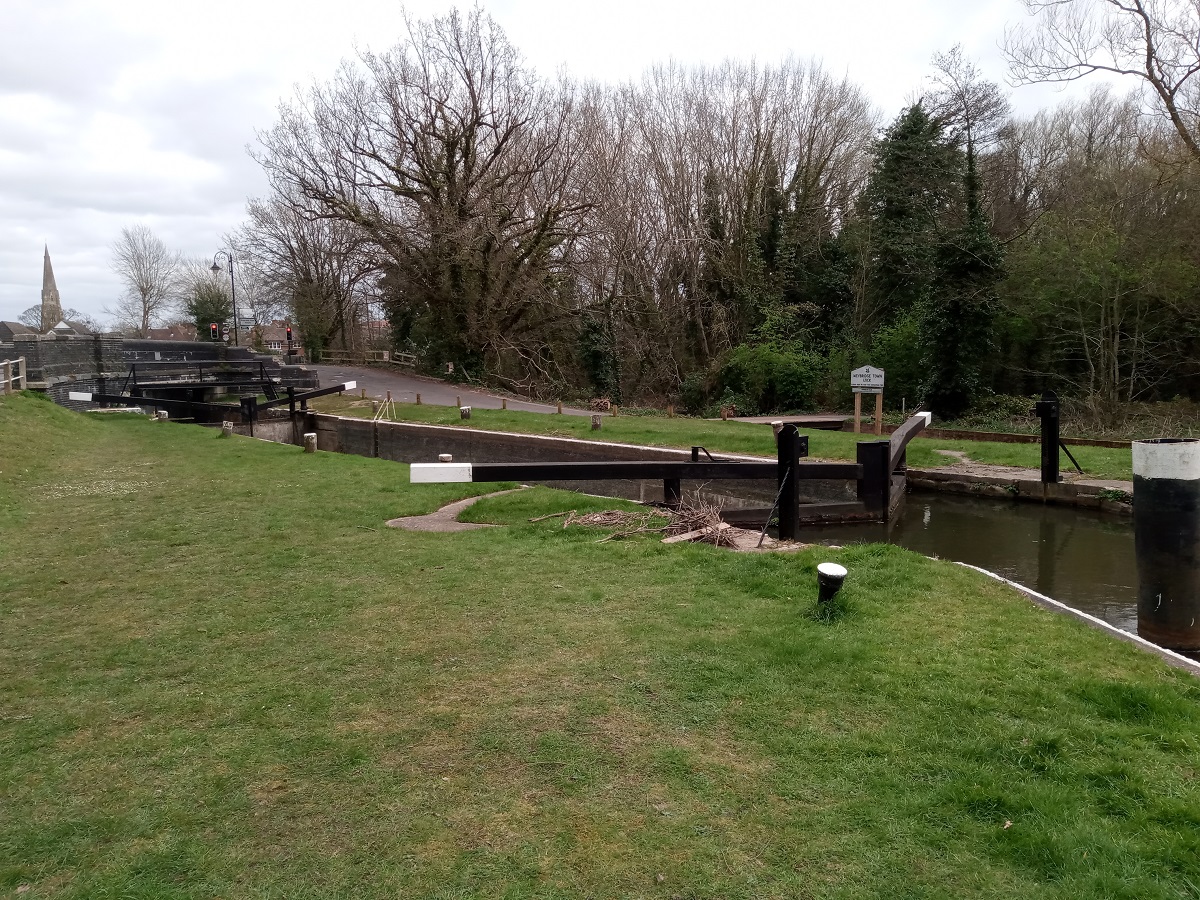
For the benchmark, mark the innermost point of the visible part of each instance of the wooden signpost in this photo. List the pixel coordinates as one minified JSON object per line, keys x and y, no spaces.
{"x":867,"y":380}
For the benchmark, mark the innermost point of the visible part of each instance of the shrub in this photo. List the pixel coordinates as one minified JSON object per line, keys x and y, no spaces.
{"x":768,"y":380}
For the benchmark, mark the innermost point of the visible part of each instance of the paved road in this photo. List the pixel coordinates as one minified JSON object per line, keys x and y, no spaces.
{"x":405,"y":387}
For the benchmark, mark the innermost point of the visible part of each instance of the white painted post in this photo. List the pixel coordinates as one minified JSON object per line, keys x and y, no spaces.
{"x":226,"y":429}
{"x":310,"y":442}
{"x":596,"y":422}
{"x":464,"y":412}
{"x":161,"y":415}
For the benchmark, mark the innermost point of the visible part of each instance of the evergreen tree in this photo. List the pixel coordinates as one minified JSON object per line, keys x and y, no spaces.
{"x":910,"y":200}
{"x":208,"y":303}
{"x":957,"y":325}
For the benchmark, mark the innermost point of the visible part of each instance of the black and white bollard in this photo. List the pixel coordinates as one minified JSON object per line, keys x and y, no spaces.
{"x":829,"y":581}
{"x":310,"y":442}
{"x":1166,"y":532}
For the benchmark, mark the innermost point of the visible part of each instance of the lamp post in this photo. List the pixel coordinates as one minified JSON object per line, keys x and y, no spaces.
{"x":216,"y":267}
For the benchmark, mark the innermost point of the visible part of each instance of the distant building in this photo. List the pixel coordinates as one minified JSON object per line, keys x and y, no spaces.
{"x":9,"y":329}
{"x":184,"y":331}
{"x":52,"y":312}
{"x":274,"y":337}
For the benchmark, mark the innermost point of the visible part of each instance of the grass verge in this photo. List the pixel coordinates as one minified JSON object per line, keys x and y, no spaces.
{"x":738,"y":437}
{"x":221,"y":676}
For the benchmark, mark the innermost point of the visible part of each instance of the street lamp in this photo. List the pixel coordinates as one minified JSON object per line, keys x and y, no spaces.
{"x":216,"y":267}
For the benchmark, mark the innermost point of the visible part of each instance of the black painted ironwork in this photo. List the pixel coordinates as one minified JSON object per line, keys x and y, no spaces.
{"x":1047,"y":410}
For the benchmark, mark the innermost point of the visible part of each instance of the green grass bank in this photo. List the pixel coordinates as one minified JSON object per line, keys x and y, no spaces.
{"x":738,"y":437}
{"x":222,"y":676}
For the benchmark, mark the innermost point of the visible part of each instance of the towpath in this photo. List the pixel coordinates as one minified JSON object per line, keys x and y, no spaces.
{"x":405,"y":387}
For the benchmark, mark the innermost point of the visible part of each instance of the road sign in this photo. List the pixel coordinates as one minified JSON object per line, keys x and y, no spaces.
{"x":867,"y":380}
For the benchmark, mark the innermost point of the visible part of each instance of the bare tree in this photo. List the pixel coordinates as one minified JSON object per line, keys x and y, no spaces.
{"x":457,"y":162}
{"x":149,"y":272}
{"x":317,"y":269}
{"x":1157,"y":41}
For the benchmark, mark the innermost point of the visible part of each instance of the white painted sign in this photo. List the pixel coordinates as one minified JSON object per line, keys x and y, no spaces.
{"x":867,"y":380}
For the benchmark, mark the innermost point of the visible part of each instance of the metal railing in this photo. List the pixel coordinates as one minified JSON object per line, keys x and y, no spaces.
{"x":13,"y":375}
{"x":346,"y":358}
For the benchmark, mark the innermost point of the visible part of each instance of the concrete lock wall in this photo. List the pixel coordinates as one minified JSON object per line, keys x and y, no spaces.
{"x":409,"y":443}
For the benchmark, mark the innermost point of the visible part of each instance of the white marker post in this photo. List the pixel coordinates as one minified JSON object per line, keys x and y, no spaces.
{"x":867,"y":380}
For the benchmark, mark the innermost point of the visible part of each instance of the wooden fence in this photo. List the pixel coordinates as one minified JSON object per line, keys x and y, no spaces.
{"x":13,"y":375}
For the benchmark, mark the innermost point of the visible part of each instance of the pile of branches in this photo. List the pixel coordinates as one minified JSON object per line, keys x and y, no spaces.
{"x":694,"y":515}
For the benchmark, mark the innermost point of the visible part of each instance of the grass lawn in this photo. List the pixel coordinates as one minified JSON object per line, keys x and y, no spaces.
{"x":737,"y":437}
{"x":222,"y":676}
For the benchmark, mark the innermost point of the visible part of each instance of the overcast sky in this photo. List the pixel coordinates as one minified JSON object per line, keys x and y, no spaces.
{"x":116,"y":112}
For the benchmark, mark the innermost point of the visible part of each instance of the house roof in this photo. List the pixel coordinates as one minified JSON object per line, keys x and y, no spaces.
{"x":180,"y":332}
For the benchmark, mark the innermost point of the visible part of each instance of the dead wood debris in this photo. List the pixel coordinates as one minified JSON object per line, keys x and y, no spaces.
{"x":695,"y":519}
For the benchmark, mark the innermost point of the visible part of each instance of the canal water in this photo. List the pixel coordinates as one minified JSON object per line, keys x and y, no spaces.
{"x":1078,"y":557}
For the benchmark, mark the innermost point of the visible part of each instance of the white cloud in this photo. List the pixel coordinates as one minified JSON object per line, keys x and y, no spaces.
{"x":140,"y":111}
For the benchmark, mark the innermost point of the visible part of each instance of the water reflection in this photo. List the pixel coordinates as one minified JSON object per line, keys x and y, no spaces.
{"x":1077,"y":557}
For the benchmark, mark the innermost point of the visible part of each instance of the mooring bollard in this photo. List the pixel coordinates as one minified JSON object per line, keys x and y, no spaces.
{"x":1166,"y":535}
{"x":560,"y":407}
{"x":226,"y":429}
{"x":596,"y":422}
{"x":613,"y":409}
{"x":310,"y":442}
{"x":458,"y":402}
{"x":364,"y":394}
{"x":418,"y":399}
{"x":464,"y":412}
{"x":504,"y":403}
{"x":445,"y":457}
{"x":830,"y":577}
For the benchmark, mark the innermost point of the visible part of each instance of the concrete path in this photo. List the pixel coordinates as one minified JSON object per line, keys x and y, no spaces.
{"x":446,"y":518}
{"x":405,"y":387}
{"x":965,"y":466}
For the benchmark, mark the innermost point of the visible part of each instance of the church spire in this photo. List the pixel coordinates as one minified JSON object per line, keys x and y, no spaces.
{"x":51,"y":304}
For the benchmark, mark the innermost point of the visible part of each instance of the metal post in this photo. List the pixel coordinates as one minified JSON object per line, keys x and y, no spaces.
{"x":250,"y":412}
{"x":788,"y":482}
{"x":672,"y":492}
{"x":291,"y":391}
{"x":228,"y":254}
{"x":1047,"y":410}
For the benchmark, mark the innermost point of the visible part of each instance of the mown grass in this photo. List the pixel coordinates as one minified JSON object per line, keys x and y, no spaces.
{"x":221,"y":676}
{"x":739,"y":437}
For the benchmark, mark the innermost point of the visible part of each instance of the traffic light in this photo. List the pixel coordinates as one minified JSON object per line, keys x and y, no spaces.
{"x":212,"y":331}
{"x":289,"y":334}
